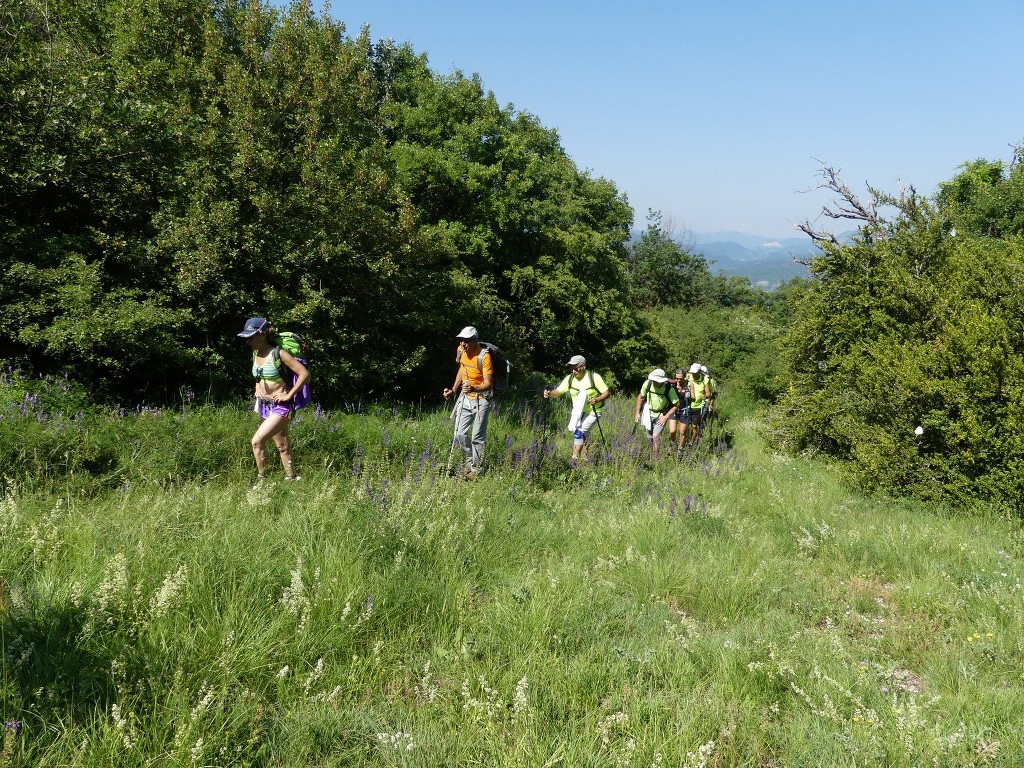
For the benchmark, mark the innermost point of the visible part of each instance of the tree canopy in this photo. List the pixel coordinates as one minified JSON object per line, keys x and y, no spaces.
{"x":167,"y":170}
{"x":917,"y":321}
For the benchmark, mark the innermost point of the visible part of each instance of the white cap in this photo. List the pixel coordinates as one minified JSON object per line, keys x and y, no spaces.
{"x":695,"y":368}
{"x":577,"y":360}
{"x":657,"y":376}
{"x":469,"y":332}
{"x":704,"y":370}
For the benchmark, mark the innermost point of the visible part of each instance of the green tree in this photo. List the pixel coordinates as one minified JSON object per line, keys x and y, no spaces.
{"x":537,"y":247}
{"x":916,"y":322}
{"x":170,"y":169}
{"x":662,"y":272}
{"x":84,"y":152}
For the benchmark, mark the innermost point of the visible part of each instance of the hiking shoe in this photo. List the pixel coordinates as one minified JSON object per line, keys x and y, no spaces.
{"x":293,"y":477}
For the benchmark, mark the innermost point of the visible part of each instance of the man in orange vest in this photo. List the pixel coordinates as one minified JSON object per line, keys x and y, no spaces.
{"x":474,"y":387}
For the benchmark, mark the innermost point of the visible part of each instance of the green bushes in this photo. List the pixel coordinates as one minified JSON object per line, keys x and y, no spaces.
{"x":210,"y":161}
{"x":917,"y":322}
{"x":740,"y":345}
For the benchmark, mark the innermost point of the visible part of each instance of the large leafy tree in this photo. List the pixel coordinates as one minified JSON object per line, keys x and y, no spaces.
{"x":86,"y":152}
{"x":289,"y":207}
{"x":538,"y":246}
{"x":662,"y":271}
{"x":917,"y":321}
{"x":171,"y":168}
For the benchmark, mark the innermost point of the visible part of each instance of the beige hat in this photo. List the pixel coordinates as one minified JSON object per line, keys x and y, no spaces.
{"x":577,"y":360}
{"x":657,"y":376}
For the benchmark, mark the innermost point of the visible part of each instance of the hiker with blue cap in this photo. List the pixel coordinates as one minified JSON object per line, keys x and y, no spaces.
{"x":279,"y":378}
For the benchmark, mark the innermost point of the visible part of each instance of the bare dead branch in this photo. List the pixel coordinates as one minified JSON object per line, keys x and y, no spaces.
{"x":847,"y":205}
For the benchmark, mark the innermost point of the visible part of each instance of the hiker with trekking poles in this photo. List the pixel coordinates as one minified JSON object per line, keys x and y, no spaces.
{"x":473,"y":390}
{"x":282,"y":381}
{"x":655,"y":406}
{"x":588,"y":392}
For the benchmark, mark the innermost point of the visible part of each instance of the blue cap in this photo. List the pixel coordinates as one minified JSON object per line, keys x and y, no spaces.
{"x":253,"y":326}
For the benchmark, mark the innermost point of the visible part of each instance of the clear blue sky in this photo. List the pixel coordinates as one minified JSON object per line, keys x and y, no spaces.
{"x":716,"y":113}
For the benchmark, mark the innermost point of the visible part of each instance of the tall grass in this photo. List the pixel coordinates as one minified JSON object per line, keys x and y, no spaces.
{"x":732,"y":608}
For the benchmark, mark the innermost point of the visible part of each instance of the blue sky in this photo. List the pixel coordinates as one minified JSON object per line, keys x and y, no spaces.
{"x":717,"y":113}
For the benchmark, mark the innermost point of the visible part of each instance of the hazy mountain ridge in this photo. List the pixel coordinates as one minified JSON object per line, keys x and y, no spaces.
{"x":765,"y":261}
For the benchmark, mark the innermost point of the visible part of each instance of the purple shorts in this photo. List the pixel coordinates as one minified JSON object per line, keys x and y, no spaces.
{"x":268,"y":407}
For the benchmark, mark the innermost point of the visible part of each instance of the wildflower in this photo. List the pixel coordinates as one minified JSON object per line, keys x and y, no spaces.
{"x":161,"y":602}
{"x":520,"y":703}
{"x":12,"y":725}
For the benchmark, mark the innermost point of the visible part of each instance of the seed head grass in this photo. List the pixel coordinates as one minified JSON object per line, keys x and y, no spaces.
{"x":727,"y":606}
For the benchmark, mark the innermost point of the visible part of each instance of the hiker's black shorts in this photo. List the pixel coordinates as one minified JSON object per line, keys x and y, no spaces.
{"x":690,"y":415}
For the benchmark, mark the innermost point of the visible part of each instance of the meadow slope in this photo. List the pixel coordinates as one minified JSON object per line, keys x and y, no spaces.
{"x":735,"y":608}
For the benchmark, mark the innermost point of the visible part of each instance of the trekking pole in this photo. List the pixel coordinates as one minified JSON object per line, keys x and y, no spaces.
{"x":545,"y":406}
{"x":448,"y":464}
{"x":600,"y":431}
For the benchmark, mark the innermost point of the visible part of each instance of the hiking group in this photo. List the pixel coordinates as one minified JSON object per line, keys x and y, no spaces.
{"x":279,"y":360}
{"x":684,"y":403}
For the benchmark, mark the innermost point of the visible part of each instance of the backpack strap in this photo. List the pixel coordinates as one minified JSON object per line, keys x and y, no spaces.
{"x":590,"y":377}
{"x":648,"y":388}
{"x":479,"y":365}
{"x":287,"y":371}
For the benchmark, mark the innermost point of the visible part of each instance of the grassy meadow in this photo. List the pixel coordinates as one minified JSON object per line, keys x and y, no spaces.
{"x":732,"y":608}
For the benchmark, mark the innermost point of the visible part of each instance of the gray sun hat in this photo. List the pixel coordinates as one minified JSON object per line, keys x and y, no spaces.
{"x":469,"y":332}
{"x":577,"y":360}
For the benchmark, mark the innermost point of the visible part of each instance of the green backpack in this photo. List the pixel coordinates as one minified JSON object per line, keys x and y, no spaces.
{"x":298,"y":347}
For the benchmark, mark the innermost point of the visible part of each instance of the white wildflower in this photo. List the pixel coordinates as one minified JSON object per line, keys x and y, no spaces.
{"x":161,"y":602}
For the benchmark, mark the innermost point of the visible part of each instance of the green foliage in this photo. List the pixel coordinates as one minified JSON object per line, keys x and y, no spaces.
{"x":535,"y":248}
{"x":740,"y":345}
{"x":167,"y":170}
{"x":918,"y":322}
{"x":664,"y":273}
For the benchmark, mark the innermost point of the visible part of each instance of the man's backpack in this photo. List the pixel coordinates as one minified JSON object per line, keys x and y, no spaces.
{"x":499,"y":363}
{"x":661,"y":390}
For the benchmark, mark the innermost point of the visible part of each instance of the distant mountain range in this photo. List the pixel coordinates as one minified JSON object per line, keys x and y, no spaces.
{"x":764,"y":260}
